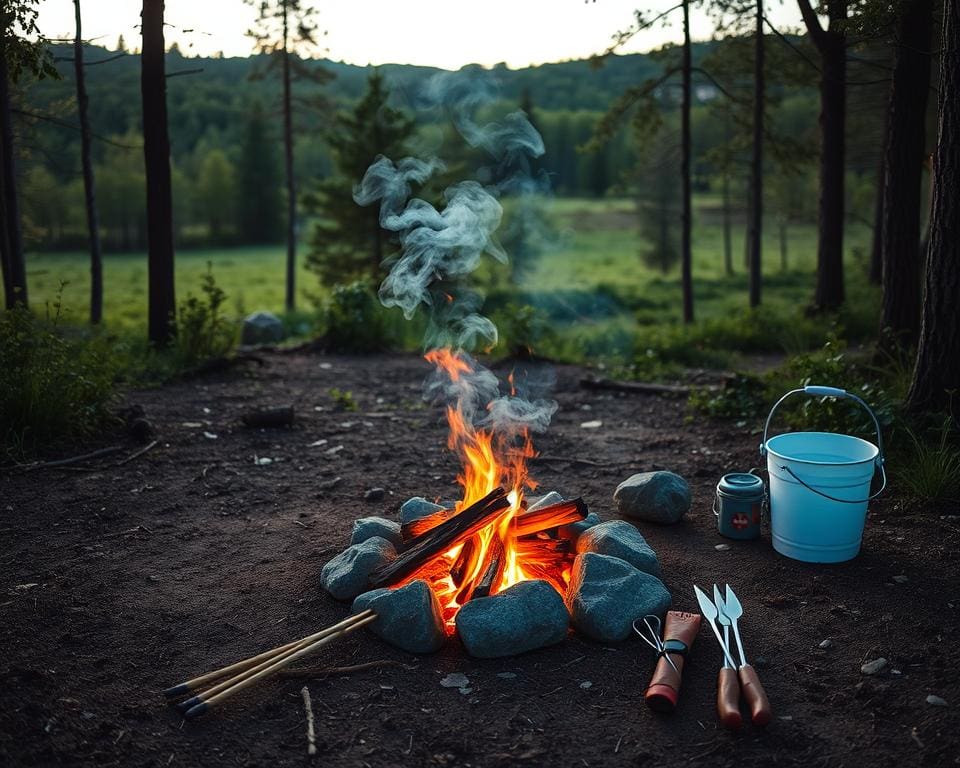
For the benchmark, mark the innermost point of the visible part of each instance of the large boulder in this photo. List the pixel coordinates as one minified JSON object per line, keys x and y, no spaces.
{"x":409,"y":618}
{"x":416,"y":508}
{"x":657,"y":497}
{"x":262,"y":328}
{"x":346,"y":575}
{"x":606,"y":595}
{"x":367,"y":527}
{"x":526,"y":616}
{"x":618,"y":538}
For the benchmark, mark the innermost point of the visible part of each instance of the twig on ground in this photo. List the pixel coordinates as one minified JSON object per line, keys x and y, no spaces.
{"x":323,"y":672}
{"x":569,"y":459}
{"x":66,"y":462}
{"x":308,"y":707}
{"x":638,"y":387}
{"x":137,"y":454}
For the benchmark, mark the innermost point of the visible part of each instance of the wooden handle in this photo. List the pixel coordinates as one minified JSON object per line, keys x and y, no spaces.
{"x":664,"y":689}
{"x":760,"y":712}
{"x":728,"y":699}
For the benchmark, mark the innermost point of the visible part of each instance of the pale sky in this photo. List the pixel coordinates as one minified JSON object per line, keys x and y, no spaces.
{"x":441,"y":33}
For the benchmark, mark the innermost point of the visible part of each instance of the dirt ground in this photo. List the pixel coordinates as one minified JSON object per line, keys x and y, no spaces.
{"x":118,"y":581}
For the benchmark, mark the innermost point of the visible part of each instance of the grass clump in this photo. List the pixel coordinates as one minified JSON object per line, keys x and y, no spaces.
{"x":203,"y":333}
{"x":353,"y":320}
{"x":54,"y":388}
{"x":928,"y":468}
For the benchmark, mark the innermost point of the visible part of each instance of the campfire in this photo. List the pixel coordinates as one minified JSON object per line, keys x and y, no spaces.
{"x":489,"y":540}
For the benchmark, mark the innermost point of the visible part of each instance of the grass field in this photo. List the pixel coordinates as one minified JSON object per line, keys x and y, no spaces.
{"x":596,"y":255}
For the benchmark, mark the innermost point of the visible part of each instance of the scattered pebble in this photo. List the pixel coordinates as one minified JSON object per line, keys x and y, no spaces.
{"x":873,"y":667}
{"x":507,"y":675}
{"x":455,"y":680}
{"x":722,"y":547}
{"x":936,"y":701}
{"x":466,"y":691}
{"x":374,"y":494}
{"x":591,"y":424}
{"x":900,"y":579}
{"x":333,"y":451}
{"x":317,"y":443}
{"x":826,"y":644}
{"x":262,"y":461}
{"x":586,"y":684}
{"x":210,"y":435}
{"x":192,"y":424}
{"x":326,"y":366}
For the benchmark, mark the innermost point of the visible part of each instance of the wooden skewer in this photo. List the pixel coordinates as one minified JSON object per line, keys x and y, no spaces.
{"x":192,"y":685}
{"x":247,"y":679}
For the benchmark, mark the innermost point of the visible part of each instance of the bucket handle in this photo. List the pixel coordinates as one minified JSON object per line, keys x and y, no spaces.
{"x":821,"y":391}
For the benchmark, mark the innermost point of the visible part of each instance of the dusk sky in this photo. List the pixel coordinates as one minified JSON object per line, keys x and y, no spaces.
{"x":430,"y":32}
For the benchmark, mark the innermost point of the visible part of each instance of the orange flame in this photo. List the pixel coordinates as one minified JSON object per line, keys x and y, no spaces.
{"x":489,"y":461}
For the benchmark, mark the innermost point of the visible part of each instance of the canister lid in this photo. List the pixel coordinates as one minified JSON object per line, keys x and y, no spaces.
{"x":741,"y":484}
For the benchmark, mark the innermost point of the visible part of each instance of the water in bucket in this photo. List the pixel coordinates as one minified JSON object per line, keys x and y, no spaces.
{"x":820,"y":487}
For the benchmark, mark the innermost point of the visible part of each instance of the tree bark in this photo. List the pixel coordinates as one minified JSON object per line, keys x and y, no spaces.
{"x":14,"y":265}
{"x":936,"y":374}
{"x":756,"y":176}
{"x":288,"y":167}
{"x":902,"y":193}
{"x":831,"y":43}
{"x":727,"y":234}
{"x":156,"y":155}
{"x":686,"y":256}
{"x":783,"y":245}
{"x":90,"y":198}
{"x":876,"y":248}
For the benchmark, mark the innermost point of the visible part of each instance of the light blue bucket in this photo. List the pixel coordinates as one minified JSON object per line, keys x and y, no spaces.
{"x":820,"y":486}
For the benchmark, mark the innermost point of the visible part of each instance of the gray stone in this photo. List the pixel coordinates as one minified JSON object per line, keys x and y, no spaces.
{"x":409,"y":618}
{"x":937,"y":701}
{"x":606,"y":594}
{"x":262,"y":328}
{"x":573,"y":531}
{"x":345,"y":576}
{"x":618,"y":538}
{"x":416,"y":508}
{"x":455,"y":680}
{"x":524,"y":617}
{"x":874,"y":666}
{"x":368,"y":527}
{"x":374,"y":494}
{"x":657,"y":497}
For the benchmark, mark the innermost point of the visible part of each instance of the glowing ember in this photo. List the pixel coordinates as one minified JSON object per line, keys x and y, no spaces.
{"x":514,"y":545}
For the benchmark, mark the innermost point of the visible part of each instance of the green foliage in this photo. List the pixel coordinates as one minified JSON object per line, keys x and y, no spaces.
{"x":54,"y":388}
{"x":216,"y":193}
{"x":928,"y":469}
{"x":260,"y":202}
{"x":203,"y":332}
{"x":523,"y":331}
{"x":344,"y":400}
{"x":347,"y":241}
{"x":353,"y":320}
{"x":25,"y":49}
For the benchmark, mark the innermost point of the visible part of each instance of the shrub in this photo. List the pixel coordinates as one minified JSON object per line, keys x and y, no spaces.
{"x":354,"y":320}
{"x":203,"y":332}
{"x":53,"y":388}
{"x":523,"y":330}
{"x":928,"y":470}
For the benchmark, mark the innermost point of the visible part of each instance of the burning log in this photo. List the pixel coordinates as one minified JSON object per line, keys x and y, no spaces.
{"x":492,"y":558}
{"x":448,"y":534}
{"x":413,"y":529}
{"x":465,"y":562}
{"x":554,"y":516}
{"x":537,"y":571}
{"x":494,"y":574}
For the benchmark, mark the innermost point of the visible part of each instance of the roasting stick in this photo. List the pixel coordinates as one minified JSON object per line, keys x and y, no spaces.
{"x":191,"y":686}
{"x":245,"y":679}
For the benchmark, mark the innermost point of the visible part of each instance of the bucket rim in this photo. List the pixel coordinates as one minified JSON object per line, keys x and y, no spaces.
{"x":873,"y":458}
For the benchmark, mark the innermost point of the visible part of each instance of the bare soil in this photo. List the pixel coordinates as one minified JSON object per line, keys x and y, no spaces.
{"x":118,"y":581}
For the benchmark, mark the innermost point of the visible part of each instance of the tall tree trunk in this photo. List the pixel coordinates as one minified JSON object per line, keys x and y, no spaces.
{"x":902,"y":193}
{"x":90,"y":198}
{"x":727,"y":235}
{"x":936,"y":373}
{"x":756,"y":176}
{"x":783,"y":244}
{"x":686,"y":255}
{"x":831,"y":43}
{"x":288,"y":166}
{"x":14,"y":265}
{"x":156,"y":155}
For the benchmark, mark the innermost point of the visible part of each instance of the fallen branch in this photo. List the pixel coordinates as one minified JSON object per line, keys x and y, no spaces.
{"x":138,"y":454}
{"x":636,"y":387}
{"x":307,"y":673}
{"x":308,"y":707}
{"x":281,"y":416}
{"x":67,"y":462}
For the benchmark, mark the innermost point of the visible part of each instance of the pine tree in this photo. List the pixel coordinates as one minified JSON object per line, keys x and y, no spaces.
{"x":348,"y":242}
{"x":259,"y":204}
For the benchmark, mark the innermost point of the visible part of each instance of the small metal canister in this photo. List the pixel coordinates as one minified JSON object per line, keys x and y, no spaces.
{"x":738,"y":505}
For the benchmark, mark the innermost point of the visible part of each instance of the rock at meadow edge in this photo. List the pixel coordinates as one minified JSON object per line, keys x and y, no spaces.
{"x":606,"y":594}
{"x":657,"y":497}
{"x":409,"y":618}
{"x":345,"y":576}
{"x":261,"y":328}
{"x":416,"y":508}
{"x":618,"y":538}
{"x":368,"y":527}
{"x":524,"y":617}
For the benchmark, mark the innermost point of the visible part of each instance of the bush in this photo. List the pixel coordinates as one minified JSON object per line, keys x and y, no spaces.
{"x":53,"y":388}
{"x":523,"y":330}
{"x":202,"y":332}
{"x":354,"y":320}
{"x":928,"y":470}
